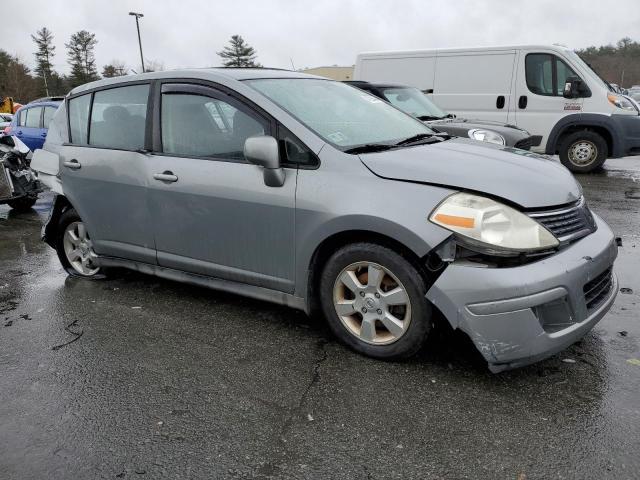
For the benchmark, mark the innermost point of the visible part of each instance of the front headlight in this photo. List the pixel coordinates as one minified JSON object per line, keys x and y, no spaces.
{"x":490,"y":225}
{"x":621,"y":102}
{"x":486,"y":136}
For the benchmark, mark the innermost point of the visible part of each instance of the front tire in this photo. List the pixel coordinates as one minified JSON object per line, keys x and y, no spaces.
{"x":374,"y":301}
{"x":74,"y":247}
{"x":583,"y":151}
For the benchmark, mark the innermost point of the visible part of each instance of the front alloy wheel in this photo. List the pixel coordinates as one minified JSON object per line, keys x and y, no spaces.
{"x":372,"y":303}
{"x":374,"y":300}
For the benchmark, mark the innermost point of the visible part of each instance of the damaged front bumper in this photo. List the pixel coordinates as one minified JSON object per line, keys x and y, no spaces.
{"x":520,"y":315}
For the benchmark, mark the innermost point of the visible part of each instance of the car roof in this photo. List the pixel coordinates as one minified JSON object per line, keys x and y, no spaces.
{"x":213,"y":74}
{"x":40,"y":103}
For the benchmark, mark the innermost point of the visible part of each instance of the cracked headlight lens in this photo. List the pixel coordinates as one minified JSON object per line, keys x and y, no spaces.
{"x":491,"y":226}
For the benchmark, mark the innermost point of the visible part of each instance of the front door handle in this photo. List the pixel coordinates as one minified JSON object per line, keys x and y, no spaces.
{"x":19,"y":133}
{"x":72,"y":164}
{"x":166,"y":176}
{"x":43,"y":135}
{"x":522,"y":102}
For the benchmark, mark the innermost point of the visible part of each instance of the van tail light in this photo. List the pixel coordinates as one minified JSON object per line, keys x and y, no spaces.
{"x":7,"y":130}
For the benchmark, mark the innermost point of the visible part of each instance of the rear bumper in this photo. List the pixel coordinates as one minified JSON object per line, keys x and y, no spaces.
{"x":517,"y":316}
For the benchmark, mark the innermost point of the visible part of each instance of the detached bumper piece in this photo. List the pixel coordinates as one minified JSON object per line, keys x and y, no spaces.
{"x":520,"y":315}
{"x":6,"y":186}
{"x":527,"y":143}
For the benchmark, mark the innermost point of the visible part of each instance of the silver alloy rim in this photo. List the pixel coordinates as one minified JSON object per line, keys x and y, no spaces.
{"x":583,"y":153}
{"x":79,"y":249}
{"x":372,"y":303}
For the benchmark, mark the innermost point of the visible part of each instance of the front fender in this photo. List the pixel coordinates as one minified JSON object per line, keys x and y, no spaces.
{"x":586,"y":120}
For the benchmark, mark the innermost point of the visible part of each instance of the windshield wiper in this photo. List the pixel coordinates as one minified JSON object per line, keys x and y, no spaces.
{"x":426,"y":118}
{"x":370,"y":148}
{"x":422,"y":138}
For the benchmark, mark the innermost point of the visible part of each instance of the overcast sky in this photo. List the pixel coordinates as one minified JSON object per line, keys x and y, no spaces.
{"x":188,"y":33}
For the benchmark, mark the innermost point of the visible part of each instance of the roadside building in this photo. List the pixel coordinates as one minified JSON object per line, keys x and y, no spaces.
{"x":334,"y":72}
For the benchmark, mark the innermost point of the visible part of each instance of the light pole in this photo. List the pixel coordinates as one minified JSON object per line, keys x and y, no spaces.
{"x":139,"y":15}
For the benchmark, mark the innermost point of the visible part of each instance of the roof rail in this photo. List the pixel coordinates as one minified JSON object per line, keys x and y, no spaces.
{"x":47,"y":99}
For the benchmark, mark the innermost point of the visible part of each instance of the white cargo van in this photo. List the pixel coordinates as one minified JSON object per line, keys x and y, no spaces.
{"x":545,"y":89}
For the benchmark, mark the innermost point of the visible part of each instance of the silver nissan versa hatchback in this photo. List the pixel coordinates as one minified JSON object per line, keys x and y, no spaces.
{"x":310,"y":193}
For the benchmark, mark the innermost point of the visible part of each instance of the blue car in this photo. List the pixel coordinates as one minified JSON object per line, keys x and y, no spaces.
{"x":31,"y":122}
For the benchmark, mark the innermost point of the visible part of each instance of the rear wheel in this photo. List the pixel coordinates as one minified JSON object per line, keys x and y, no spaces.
{"x":74,"y":247}
{"x":22,"y":204}
{"x":583,"y":151}
{"x":374,"y":301}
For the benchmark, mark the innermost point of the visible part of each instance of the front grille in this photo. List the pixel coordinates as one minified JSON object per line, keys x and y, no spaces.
{"x":569,"y":223}
{"x":597,"y":290}
{"x":5,"y":185}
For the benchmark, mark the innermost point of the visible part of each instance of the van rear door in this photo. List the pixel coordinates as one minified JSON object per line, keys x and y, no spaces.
{"x":475,"y":84}
{"x":539,"y":103}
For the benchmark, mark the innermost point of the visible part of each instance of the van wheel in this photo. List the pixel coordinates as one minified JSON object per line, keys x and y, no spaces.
{"x":74,"y":247}
{"x":583,"y":151}
{"x":374,"y":301}
{"x":23,"y":204}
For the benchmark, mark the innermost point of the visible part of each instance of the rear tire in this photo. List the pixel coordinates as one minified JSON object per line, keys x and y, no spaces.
{"x":374,"y":301}
{"x":22,"y":204}
{"x":583,"y":151}
{"x":74,"y":247}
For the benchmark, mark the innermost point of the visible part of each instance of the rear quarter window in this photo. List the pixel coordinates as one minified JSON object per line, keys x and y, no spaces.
{"x":79,"y":119}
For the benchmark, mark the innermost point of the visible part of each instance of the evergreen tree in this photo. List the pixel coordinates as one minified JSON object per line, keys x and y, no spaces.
{"x":44,"y":55}
{"x":81,"y":58}
{"x":238,"y":53}
{"x":114,"y":69}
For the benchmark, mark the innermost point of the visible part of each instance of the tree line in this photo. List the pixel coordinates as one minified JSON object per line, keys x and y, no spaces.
{"x":18,"y":81}
{"x":619,"y":63}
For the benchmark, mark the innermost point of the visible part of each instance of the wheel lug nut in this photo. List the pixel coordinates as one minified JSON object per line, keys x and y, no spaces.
{"x":364,"y":310}
{"x":362,"y":294}
{"x":377,"y":295}
{"x":379,"y":312}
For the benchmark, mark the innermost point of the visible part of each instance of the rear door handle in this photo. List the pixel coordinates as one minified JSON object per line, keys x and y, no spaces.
{"x":72,"y":164}
{"x":500,"y":101}
{"x":166,"y":176}
{"x":19,"y":133}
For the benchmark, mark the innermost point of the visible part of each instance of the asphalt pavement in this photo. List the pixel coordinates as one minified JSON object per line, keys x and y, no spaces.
{"x":137,"y":377}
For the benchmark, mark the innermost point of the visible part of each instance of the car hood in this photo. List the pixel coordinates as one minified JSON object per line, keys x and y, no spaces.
{"x":469,"y":123}
{"x":524,"y":178}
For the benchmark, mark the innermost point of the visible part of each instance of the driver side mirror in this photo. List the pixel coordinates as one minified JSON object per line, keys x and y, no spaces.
{"x":574,"y":87}
{"x":264,"y":152}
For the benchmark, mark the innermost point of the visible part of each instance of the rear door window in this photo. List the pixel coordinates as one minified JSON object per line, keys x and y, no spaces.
{"x":32,"y":119}
{"x":48,"y":116}
{"x":118,"y":117}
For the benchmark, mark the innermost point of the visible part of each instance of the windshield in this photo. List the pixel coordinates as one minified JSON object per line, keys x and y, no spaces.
{"x":342,"y":115}
{"x":587,"y":68}
{"x":413,"y":102}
